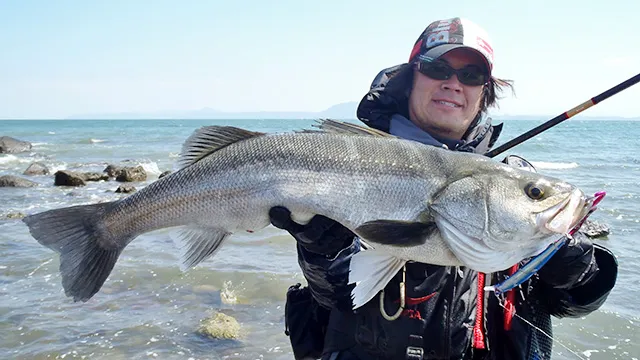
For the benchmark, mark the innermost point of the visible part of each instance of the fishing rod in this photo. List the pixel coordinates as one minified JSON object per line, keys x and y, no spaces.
{"x":564,"y":116}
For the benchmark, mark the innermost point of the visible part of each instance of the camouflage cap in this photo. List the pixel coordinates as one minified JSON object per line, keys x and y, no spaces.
{"x":442,"y":36}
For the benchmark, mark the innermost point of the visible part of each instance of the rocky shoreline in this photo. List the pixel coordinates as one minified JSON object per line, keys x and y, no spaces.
{"x":123,"y":174}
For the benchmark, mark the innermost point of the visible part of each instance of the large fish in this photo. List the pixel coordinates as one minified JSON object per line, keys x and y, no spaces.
{"x":405,"y":200}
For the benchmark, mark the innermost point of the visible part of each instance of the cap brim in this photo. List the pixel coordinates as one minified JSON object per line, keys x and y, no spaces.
{"x":436,"y":52}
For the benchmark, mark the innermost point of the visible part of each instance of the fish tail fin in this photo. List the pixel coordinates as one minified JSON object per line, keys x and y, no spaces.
{"x":88,"y":250}
{"x":371,"y":271}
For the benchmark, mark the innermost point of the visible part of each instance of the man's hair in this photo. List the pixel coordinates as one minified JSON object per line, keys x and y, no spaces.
{"x":489,"y":99}
{"x":490,"y":93}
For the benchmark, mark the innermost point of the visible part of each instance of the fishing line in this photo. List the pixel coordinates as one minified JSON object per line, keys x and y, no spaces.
{"x":38,"y":267}
{"x":500,"y":300}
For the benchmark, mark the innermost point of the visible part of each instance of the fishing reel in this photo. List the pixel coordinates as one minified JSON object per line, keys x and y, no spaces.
{"x":519,"y":162}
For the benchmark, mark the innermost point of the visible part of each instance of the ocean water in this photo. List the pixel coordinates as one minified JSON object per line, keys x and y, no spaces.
{"x":149,"y":309}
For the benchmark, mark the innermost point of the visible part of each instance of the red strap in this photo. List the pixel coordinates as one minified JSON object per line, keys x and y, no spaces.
{"x":478,"y":334}
{"x":509,"y":307}
{"x":415,"y":301}
{"x":409,"y":301}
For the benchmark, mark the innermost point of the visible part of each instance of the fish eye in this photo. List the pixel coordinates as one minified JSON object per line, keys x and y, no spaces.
{"x":533,"y":191}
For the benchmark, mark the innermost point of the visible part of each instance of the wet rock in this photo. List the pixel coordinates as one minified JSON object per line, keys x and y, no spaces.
{"x":125,"y":189}
{"x":92,"y":176}
{"x":126,"y":173}
{"x":164,"y":173}
{"x":37,"y":168}
{"x":112,"y":170}
{"x":593,"y":229}
{"x":15,"y":181}
{"x":220,"y":326}
{"x":74,"y":178}
{"x":9,"y":145}
{"x":131,"y":174}
{"x":68,"y":178}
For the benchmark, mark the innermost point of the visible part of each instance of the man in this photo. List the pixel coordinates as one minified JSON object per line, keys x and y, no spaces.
{"x":438,"y":98}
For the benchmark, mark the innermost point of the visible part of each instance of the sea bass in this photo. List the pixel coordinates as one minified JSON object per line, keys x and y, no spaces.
{"x":405,"y":200}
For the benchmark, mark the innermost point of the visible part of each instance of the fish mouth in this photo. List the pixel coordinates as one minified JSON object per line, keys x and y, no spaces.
{"x":562,"y":217}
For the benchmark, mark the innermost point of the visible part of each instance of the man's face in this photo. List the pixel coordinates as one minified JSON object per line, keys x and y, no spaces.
{"x":445,"y":108}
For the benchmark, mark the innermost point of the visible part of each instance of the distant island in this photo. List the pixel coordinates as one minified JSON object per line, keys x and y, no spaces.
{"x":342,"y":111}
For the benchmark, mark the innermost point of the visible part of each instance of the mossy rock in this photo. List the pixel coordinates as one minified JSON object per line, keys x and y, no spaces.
{"x":220,"y":326}
{"x":15,"y":215}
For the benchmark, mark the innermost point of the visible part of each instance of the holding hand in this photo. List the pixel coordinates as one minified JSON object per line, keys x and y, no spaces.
{"x":573,"y":265}
{"x":321,"y":235}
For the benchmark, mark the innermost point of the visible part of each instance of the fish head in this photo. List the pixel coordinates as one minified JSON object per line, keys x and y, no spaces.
{"x":494,"y":217}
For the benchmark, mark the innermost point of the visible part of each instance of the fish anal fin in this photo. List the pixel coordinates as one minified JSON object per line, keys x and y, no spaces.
{"x":199,"y":243}
{"x":209,"y":139}
{"x":396,"y":232}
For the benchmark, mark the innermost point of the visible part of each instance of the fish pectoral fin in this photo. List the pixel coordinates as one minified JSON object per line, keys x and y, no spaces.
{"x":371,"y":271}
{"x":396,"y":232}
{"x":199,"y":243}
{"x":209,"y":139}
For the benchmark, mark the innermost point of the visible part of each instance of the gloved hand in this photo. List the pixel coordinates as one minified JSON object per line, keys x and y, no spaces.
{"x":321,"y":235}
{"x":572,"y":265}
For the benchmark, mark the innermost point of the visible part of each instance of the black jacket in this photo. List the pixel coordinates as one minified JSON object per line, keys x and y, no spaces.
{"x":442,"y":311}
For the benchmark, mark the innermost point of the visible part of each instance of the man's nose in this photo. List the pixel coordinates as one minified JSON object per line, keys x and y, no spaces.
{"x":452,"y":84}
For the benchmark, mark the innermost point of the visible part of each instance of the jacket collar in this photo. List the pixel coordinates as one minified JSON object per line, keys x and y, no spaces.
{"x":404,"y":128}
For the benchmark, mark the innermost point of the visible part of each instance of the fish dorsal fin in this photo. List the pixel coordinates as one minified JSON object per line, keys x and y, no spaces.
{"x":343,"y":127}
{"x":209,"y":139}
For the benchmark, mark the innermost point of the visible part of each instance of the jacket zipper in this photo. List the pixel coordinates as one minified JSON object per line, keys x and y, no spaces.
{"x":447,"y":330}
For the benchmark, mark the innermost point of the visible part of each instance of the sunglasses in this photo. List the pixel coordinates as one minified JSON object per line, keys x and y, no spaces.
{"x":471,"y":75}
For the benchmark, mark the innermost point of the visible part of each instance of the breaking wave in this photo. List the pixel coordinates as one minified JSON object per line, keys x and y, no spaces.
{"x":554,"y":165}
{"x":5,"y":159}
{"x":150,"y":167}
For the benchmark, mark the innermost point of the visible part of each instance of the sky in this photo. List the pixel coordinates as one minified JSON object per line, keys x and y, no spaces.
{"x":63,"y":58}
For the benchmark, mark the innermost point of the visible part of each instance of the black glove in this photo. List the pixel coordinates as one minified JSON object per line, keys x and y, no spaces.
{"x":573,"y":265}
{"x":321,"y":235}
